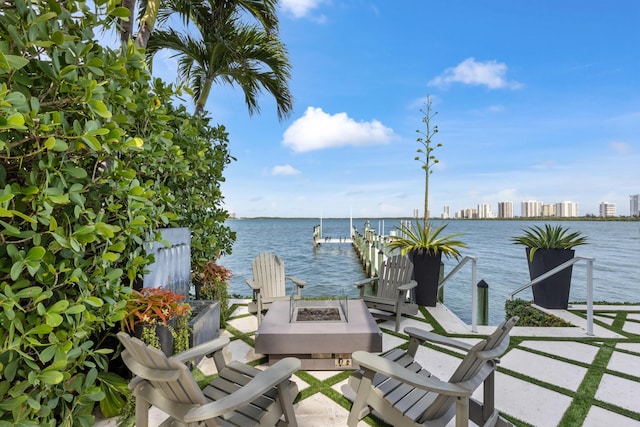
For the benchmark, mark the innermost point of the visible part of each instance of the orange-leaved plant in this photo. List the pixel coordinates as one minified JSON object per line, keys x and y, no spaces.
{"x":152,"y":306}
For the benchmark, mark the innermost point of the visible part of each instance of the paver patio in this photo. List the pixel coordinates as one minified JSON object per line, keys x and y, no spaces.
{"x":548,"y":377}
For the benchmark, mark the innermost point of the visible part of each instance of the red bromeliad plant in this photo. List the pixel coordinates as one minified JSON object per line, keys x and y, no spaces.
{"x":153,"y":306}
{"x":213,"y":285}
{"x":214,"y":273}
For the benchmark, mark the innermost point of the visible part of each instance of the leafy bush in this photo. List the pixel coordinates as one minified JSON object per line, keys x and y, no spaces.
{"x":212,"y":284}
{"x":93,"y":161}
{"x":530,"y":316}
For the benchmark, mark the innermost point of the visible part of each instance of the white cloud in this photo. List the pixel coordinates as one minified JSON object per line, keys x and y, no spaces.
{"x":284,"y":170}
{"x":300,"y":8}
{"x":489,"y":73}
{"x":620,"y":147}
{"x":317,"y":130}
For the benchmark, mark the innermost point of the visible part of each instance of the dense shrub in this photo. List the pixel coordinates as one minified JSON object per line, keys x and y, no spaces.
{"x":93,"y":159}
{"x":531,"y":316}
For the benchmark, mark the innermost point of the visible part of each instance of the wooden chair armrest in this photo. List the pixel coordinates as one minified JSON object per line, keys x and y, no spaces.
{"x":423,"y":336}
{"x":391,"y":369}
{"x":496,"y":352}
{"x":408,"y":286}
{"x":255,"y":286}
{"x":203,"y":349}
{"x":261,"y":383}
{"x":299,"y":282}
{"x":361,"y":283}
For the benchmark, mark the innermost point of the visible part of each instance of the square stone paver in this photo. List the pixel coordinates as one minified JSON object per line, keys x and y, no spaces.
{"x":344,"y":389}
{"x":620,"y":392}
{"x":569,"y":350}
{"x":244,"y":324}
{"x":240,"y":311}
{"x":543,"y":368}
{"x":528,"y":402}
{"x":391,"y":341}
{"x":632,"y":327}
{"x":320,"y":411}
{"x":404,"y":323}
{"x":603,"y":319}
{"x":240,"y":351}
{"x":625,"y":363}
{"x":323,"y":375}
{"x":598,"y":417}
{"x":629,"y":346}
{"x":439,"y":364}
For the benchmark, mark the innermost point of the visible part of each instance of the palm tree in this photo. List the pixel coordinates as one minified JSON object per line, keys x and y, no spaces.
{"x":227,"y":50}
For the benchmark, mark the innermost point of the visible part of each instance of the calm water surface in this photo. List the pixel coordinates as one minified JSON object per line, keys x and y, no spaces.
{"x":331,"y":269}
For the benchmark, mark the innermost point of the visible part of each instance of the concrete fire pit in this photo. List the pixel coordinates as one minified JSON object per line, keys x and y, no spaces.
{"x":322,"y":334}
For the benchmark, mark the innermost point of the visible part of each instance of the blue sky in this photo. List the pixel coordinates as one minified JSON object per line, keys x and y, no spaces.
{"x":536,"y":100}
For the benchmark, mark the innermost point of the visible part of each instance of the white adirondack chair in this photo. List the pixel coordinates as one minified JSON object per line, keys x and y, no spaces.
{"x":393,"y":284}
{"x":405,"y":394}
{"x":268,"y":283}
{"x":240,"y":395}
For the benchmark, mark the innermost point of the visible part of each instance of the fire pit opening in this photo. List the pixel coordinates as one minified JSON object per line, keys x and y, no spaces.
{"x":314,"y":314}
{"x":313,"y":310}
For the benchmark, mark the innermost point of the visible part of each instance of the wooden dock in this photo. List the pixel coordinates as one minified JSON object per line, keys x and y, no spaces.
{"x":369,"y":246}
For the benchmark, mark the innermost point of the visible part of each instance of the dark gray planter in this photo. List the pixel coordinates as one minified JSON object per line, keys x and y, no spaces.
{"x":205,"y":321}
{"x":164,"y":337}
{"x":426,"y":271}
{"x":552,"y":292}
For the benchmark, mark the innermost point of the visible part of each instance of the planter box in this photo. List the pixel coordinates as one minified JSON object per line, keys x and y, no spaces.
{"x":203,"y":326}
{"x":426,"y":271}
{"x":205,"y":321}
{"x":164,"y":337}
{"x":552,"y":292}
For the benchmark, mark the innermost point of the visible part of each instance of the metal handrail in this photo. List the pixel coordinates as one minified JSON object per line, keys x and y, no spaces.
{"x":559,"y":269}
{"x":474,"y":288}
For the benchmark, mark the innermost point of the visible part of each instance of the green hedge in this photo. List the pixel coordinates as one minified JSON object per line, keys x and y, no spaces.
{"x":530,"y":316}
{"x":93,"y":159}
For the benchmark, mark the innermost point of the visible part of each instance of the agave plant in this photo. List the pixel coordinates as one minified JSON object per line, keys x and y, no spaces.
{"x":416,"y":237}
{"x":549,"y":237}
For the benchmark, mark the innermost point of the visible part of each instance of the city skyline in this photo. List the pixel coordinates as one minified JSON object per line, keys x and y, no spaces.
{"x":605,"y":209}
{"x":525,"y":111}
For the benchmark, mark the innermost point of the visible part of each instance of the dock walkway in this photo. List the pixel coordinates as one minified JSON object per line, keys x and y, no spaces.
{"x":548,"y":377}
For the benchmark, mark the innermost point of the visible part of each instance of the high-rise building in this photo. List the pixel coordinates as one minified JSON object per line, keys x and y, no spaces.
{"x":484,"y":211}
{"x":607,"y":209}
{"x":530,"y":209}
{"x":505,"y":210}
{"x":634,"y":205}
{"x":548,"y":210}
{"x":445,"y":213}
{"x":566,"y":209}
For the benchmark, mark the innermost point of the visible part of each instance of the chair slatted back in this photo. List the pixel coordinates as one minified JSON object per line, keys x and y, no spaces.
{"x":471,"y":366}
{"x":167,"y":375}
{"x":268,"y":271}
{"x":396,"y":271}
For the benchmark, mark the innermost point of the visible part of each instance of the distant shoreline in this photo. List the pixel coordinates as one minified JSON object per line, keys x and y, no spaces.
{"x":578,"y":218}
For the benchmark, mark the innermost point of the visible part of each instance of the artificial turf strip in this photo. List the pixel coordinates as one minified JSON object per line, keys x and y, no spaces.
{"x":585,"y":395}
{"x":437,"y":329}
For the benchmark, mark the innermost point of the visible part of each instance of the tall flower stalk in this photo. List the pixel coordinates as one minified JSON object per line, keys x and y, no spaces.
{"x":425,"y":152}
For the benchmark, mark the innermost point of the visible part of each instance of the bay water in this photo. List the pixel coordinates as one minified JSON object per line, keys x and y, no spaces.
{"x":331,"y":269}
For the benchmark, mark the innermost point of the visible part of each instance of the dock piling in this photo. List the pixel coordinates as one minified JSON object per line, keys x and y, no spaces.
{"x":483,"y":303}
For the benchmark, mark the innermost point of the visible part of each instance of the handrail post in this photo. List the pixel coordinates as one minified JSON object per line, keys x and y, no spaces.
{"x":590,"y":296}
{"x":474,"y":297}
{"x":560,"y":268}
